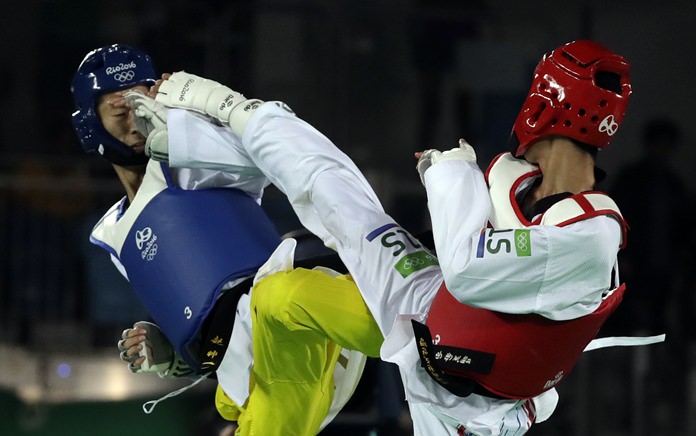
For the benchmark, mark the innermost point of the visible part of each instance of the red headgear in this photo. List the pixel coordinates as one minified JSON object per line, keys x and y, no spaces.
{"x":580,"y":90}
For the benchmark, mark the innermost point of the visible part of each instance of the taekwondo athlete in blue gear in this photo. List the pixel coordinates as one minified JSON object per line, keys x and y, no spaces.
{"x":155,"y":249}
{"x":190,"y":241}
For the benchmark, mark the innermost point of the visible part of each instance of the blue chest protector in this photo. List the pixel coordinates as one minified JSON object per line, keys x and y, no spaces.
{"x":184,"y":246}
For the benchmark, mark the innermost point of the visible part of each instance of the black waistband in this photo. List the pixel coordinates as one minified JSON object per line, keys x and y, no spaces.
{"x":214,"y":335}
{"x":433,"y":361}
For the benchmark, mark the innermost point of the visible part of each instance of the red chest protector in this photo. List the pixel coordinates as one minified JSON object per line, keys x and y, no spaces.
{"x":511,"y":355}
{"x":519,"y":356}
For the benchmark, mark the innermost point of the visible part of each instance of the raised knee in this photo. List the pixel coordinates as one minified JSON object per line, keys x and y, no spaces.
{"x":271,"y":302}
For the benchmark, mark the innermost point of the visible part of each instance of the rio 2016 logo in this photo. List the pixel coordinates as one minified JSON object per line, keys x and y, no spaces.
{"x":608,"y":125}
{"x":146,"y":241}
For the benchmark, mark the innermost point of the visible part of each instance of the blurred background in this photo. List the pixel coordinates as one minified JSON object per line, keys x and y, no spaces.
{"x":382,"y":79}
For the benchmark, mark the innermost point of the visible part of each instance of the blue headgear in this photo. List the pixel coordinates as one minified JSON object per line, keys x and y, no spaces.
{"x":103,"y":70}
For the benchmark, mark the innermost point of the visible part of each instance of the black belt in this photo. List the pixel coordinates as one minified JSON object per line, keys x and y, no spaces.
{"x":433,"y":361}
{"x":214,"y":335}
{"x":213,"y":338}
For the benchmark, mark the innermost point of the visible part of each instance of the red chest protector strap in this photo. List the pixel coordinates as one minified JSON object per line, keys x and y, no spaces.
{"x":510,"y":355}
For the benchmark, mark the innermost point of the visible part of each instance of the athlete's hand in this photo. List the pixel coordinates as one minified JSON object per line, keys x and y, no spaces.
{"x":149,"y":115}
{"x":150,"y":120}
{"x":145,"y":348}
{"x":428,"y":158}
{"x":130,"y":347}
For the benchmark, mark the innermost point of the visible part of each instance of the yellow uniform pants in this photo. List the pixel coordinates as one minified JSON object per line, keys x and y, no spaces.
{"x":300,"y":320}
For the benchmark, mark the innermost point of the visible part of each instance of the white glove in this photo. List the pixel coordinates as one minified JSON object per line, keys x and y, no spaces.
{"x":207,"y":97}
{"x":159,"y":354}
{"x":431,"y":157}
{"x":151,"y":121}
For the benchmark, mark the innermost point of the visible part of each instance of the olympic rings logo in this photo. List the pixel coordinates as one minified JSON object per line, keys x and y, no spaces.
{"x":608,"y":125}
{"x":151,"y":252}
{"x":522,"y":241}
{"x":146,"y":241}
{"x":414,"y":262}
{"x":124,"y":76}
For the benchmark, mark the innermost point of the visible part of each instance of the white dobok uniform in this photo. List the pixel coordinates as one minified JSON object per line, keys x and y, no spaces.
{"x":566,"y":275}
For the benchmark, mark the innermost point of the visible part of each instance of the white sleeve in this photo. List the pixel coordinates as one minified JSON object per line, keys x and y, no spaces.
{"x":558,"y":272}
{"x":459,"y":206}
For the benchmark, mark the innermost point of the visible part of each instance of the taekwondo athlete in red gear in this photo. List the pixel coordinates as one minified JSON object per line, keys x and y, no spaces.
{"x":552,"y":255}
{"x":552,"y":242}
{"x":193,"y":269}
{"x":556,"y":266}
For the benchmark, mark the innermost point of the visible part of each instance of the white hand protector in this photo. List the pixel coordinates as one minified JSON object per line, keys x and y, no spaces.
{"x":159,"y":354}
{"x":150,"y":120}
{"x":431,"y":157}
{"x":208,"y":97}
{"x":149,"y":115}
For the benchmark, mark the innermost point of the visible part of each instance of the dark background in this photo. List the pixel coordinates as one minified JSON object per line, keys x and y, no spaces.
{"x":382,"y":79}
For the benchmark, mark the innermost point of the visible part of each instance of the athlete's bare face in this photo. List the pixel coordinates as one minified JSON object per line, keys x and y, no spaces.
{"x":117,"y":118}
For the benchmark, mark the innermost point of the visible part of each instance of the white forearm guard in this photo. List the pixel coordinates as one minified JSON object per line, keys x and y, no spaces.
{"x":151,"y":121}
{"x":208,"y":97}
